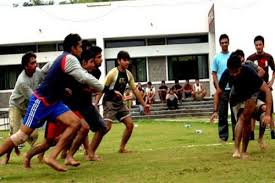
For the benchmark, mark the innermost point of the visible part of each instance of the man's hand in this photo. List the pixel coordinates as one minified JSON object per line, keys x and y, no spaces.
{"x":118,"y":94}
{"x":213,"y":117}
{"x":270,"y":83}
{"x":266,"y":119}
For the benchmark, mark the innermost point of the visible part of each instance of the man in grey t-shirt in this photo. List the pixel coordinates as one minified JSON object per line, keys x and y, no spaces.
{"x":26,"y":83}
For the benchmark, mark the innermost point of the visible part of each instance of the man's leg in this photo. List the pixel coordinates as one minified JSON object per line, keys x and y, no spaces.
{"x":15,"y":118}
{"x":38,"y":149}
{"x":223,"y":116}
{"x":238,"y":138}
{"x":80,"y":137}
{"x":19,"y":137}
{"x":233,"y":123}
{"x":73,"y":124}
{"x":128,"y":122}
{"x":97,"y":138}
{"x":249,"y":109}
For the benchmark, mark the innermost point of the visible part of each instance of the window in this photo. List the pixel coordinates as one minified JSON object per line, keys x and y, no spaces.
{"x":8,"y":76}
{"x":17,"y":49}
{"x":155,"y":41}
{"x":188,"y":67}
{"x":124,"y":43}
{"x":137,"y":67}
{"x":47,"y":47}
{"x":187,"y":40}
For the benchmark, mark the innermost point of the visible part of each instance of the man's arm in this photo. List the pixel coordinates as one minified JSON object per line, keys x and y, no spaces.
{"x":215,"y":79}
{"x":216,"y":104}
{"x":73,"y":68}
{"x":139,"y":97}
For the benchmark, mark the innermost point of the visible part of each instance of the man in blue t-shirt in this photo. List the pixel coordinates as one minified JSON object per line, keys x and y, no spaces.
{"x":244,"y":102}
{"x":218,"y":67}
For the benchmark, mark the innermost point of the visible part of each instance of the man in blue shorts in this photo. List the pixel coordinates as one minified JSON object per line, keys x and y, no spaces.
{"x":46,"y":102}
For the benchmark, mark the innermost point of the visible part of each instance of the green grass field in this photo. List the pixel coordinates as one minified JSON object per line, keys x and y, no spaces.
{"x":163,"y":151}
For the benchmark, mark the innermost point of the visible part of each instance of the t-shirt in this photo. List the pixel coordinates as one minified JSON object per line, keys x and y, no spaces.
{"x":263,"y":60}
{"x":116,"y":80}
{"x":24,"y":87}
{"x":187,"y":87}
{"x":163,"y":87}
{"x":219,"y":64}
{"x":245,"y":85}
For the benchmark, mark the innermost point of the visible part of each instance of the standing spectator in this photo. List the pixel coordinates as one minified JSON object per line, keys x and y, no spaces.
{"x":264,"y":60}
{"x":162,"y":91}
{"x":178,"y":90}
{"x":187,"y":89}
{"x":218,"y":67}
{"x":198,"y":92}
{"x":172,"y":100}
{"x":150,"y":93}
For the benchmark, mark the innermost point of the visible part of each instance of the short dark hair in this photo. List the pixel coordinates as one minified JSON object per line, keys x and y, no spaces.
{"x":239,"y":53}
{"x":149,"y":83}
{"x":95,"y":50}
{"x":85,"y":44}
{"x":123,"y":55}
{"x":223,"y":36}
{"x":86,"y":55}
{"x":26,"y":58}
{"x":163,"y":81}
{"x":259,"y":38}
{"x":234,"y":62}
{"x":70,"y":41}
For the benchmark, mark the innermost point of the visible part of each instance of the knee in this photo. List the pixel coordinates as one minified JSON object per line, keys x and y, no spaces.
{"x":85,"y":128}
{"x":19,"y":137}
{"x":129,"y":126}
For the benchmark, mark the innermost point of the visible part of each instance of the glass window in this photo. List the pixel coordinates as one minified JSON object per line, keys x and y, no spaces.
{"x":188,"y":67}
{"x":137,"y":67}
{"x":187,"y":40}
{"x":47,"y":47}
{"x":17,"y":49}
{"x":155,"y":41}
{"x":8,"y":76}
{"x":124,"y":43}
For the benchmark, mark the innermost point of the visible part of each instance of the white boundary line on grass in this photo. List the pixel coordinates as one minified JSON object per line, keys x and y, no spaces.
{"x":200,"y":145}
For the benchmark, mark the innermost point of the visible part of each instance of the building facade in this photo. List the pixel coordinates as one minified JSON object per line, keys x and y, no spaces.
{"x":167,"y":40}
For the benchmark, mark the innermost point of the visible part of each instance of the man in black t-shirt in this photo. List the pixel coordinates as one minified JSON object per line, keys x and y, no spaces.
{"x":162,"y":92}
{"x":245,"y":104}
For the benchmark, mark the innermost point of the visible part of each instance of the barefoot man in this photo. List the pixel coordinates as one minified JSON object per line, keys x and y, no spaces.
{"x":246,"y":84}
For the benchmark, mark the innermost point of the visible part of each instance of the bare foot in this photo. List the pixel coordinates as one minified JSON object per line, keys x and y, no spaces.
{"x":245,"y":156}
{"x":71,"y":161}
{"x":94,"y":158}
{"x":124,"y":151}
{"x":54,"y":164}
{"x":262,"y":144}
{"x":26,"y":161}
{"x":236,"y":154}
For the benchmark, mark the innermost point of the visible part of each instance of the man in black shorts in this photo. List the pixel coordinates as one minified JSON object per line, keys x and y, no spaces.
{"x":246,"y":83}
